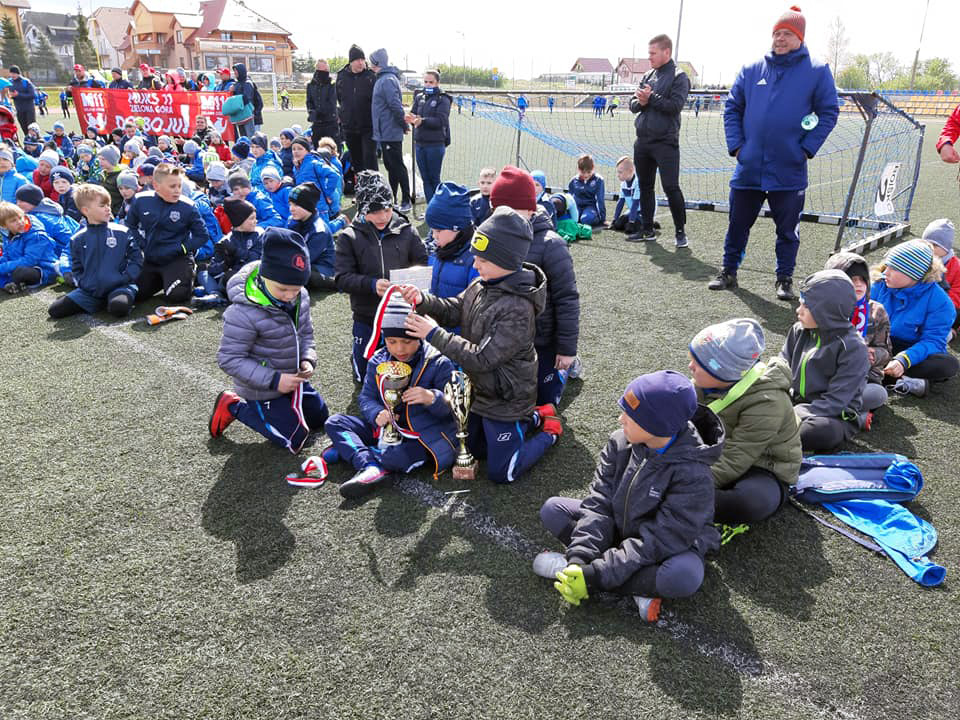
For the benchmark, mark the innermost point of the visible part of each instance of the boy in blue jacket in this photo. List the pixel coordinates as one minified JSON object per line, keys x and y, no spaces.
{"x":277,"y":190}
{"x":648,"y":521}
{"x":29,"y":258}
{"x":242,"y":245}
{"x":543,"y":197}
{"x":10,"y":179}
{"x":451,"y":223}
{"x":242,"y":189}
{"x":627,"y":213}
{"x":315,"y":232}
{"x":105,"y":259}
{"x":480,"y":202}
{"x":310,"y":166}
{"x":589,"y":193}
{"x":171,"y":230}
{"x":286,"y":153}
{"x":422,"y":418}
{"x":263,"y":158}
{"x":48,"y":214}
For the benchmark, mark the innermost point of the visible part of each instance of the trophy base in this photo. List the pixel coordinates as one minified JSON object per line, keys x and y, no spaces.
{"x":465,"y":472}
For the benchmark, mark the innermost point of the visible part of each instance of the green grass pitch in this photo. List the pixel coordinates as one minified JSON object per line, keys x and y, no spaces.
{"x":149,"y":572}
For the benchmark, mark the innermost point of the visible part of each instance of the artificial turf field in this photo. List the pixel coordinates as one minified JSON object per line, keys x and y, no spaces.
{"x":150,"y":572}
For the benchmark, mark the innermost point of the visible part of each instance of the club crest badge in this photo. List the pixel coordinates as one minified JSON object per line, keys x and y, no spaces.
{"x":174,"y":216}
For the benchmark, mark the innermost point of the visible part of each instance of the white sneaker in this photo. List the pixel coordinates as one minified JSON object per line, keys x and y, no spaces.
{"x":649,"y":607}
{"x":917,"y":387}
{"x":576,"y":369}
{"x":364,"y":482}
{"x":547,"y":564}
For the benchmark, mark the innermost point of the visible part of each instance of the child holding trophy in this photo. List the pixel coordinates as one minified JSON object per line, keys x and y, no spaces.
{"x":496,"y":315}
{"x":405,"y":420}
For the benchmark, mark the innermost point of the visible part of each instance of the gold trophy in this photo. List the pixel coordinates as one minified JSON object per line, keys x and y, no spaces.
{"x":392,"y":378}
{"x":458,"y":394}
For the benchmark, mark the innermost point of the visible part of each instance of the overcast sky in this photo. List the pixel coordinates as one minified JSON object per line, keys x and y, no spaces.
{"x":525,"y":39}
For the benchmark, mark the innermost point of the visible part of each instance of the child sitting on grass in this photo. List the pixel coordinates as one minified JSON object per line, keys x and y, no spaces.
{"x":589,"y":193}
{"x":648,"y":521}
{"x":128,"y":183}
{"x":761,"y":450}
{"x":277,"y":190}
{"x":543,"y":197}
{"x":63,"y":181}
{"x":828,"y":360}
{"x":480,"y":202}
{"x":423,"y":416}
{"x":626,"y":222}
{"x":29,"y":256}
{"x":939,"y":233}
{"x":495,"y":348}
{"x":105,"y":260}
{"x":267,"y":347}
{"x":109,"y":158}
{"x":451,"y":223}
{"x":921,"y":316}
{"x":242,"y":245}
{"x":306,"y":219}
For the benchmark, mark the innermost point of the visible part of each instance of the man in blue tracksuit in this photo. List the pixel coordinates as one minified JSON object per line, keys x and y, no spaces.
{"x":171,"y":230}
{"x":779,"y":113}
{"x":23,"y":93}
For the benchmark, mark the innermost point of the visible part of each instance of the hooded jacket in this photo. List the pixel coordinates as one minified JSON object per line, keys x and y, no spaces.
{"x":435,"y":423}
{"x":646,"y":505}
{"x":559,"y":323}
{"x":245,"y":88}
{"x":314,"y":168}
{"x":321,"y":100}
{"x":31,"y":248}
{"x":202,"y":202}
{"x":829,"y":363}
{"x":105,"y":257}
{"x":435,"y":111}
{"x":319,"y":241}
{"x":10,"y":182}
{"x":659,"y":120}
{"x":761,"y":428}
{"x":58,"y":226}
{"x":495,"y":345}
{"x":920,"y":317}
{"x":267,"y":215}
{"x":260,"y":340}
{"x":266,"y":160}
{"x":355,"y":95}
{"x":762,"y":119}
{"x":365,"y":254}
{"x":387,"y":107}
{"x":235,"y":250}
{"x":451,"y":275}
{"x":877,"y":337}
{"x":166,"y":230}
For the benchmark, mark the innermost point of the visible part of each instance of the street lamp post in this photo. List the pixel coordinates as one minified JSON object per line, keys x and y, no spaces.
{"x":676,"y":45}
{"x":916,"y":58}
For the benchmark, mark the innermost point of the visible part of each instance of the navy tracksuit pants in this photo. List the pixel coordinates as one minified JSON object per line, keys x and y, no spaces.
{"x":354,"y":442}
{"x":361,"y":336}
{"x":286,"y":421}
{"x":550,"y":381}
{"x":745,"y":205}
{"x":508,"y":451}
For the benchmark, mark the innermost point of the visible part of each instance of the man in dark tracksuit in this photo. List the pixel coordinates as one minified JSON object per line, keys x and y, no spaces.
{"x":658,"y":102}
{"x":23,"y":93}
{"x":322,"y":105}
{"x":355,"y":83}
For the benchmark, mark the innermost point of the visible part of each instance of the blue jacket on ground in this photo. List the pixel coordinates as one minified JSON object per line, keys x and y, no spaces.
{"x":313,"y":168}
{"x":10,"y":182}
{"x":104,"y":258}
{"x":432,"y":371}
{"x":281,"y":201}
{"x":31,"y":248}
{"x":589,"y":194}
{"x":920,"y":316}
{"x":204,"y":207}
{"x":166,"y":230}
{"x":57,"y":225}
{"x":267,"y":215}
{"x":319,"y":241}
{"x":762,"y":118}
{"x":453,"y":266}
{"x":265,"y":160}
{"x":387,"y":107}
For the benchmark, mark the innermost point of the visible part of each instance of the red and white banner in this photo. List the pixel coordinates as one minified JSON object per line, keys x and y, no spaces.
{"x":163,"y":113}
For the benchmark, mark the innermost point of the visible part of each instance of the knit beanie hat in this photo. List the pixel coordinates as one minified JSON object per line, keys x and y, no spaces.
{"x":241,"y":149}
{"x":285,"y":258}
{"x":5,"y":154}
{"x":355,"y":53}
{"x":26,"y":164}
{"x":372,"y":192}
{"x":288,"y":134}
{"x":729,"y":349}
{"x":270,"y":171}
{"x":146,"y":169}
{"x":238,"y":210}
{"x":306,"y":195}
{"x":539,"y":176}
{"x":217,"y":171}
{"x":260,"y":140}
{"x":50,"y":157}
{"x":30,"y":193}
{"x":62,"y":171}
{"x":117,"y":70}
{"x":238,"y":179}
{"x":128,"y":179}
{"x":940,"y":233}
{"x":379,"y":58}
{"x":110,"y":153}
{"x":793,"y":21}
{"x":190,"y":148}
{"x":395,"y":311}
{"x":153,"y":152}
{"x":661,"y":402}
{"x":84,"y":150}
{"x":58,"y":125}
{"x":514,"y":188}
{"x":304,"y":142}
{"x":503,"y":239}
{"x":913,"y":258}
{"x":449,"y":209}
{"x":275,"y":143}
{"x":15,"y":69}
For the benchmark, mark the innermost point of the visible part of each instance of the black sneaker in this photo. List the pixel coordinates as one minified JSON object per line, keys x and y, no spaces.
{"x":643,"y":236}
{"x":13,"y":288}
{"x":785,"y":288}
{"x":723,"y":281}
{"x":682,"y":240}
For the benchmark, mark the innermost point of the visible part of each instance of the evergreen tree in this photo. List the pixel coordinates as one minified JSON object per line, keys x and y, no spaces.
{"x":13,"y":51}
{"x":44,"y":62}
{"x":83,"y":51}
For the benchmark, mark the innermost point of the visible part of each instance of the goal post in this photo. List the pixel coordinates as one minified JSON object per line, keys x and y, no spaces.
{"x":267,"y":85}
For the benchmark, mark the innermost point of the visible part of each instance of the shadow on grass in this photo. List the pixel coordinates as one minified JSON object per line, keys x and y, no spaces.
{"x":680,"y":261}
{"x":246,"y":506}
{"x":68,"y":329}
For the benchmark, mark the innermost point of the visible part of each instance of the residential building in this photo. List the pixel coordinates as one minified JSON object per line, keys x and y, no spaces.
{"x":597,"y":71}
{"x":631,"y":70}
{"x":59,"y":28}
{"x":12,"y":9}
{"x":108,"y":28}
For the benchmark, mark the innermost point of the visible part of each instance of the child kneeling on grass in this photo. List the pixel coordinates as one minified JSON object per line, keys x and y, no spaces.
{"x":761,"y":452}
{"x":105,"y":260}
{"x":828,"y":360}
{"x":267,"y":347}
{"x":496,"y":315}
{"x":29,"y":255}
{"x":648,"y":521}
{"x":423,"y":418}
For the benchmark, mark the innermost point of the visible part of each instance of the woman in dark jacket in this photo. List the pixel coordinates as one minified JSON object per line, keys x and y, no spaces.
{"x":430,"y":118}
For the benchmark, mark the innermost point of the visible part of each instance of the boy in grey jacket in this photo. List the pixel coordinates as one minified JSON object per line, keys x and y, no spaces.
{"x":267,"y":347}
{"x":829,"y":362}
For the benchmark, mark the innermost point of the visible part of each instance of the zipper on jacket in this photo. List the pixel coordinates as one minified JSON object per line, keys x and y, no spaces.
{"x":626,"y":500}
{"x":803,"y":367}
{"x":383,"y":264}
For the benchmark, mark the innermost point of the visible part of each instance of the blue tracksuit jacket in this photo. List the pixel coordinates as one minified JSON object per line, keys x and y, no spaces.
{"x":166,"y":230}
{"x":104,"y":258}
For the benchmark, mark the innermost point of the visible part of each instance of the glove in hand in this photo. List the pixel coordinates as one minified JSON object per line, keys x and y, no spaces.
{"x":571,"y":585}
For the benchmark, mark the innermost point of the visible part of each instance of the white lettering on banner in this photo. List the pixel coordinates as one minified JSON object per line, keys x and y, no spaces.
{"x":886,"y":190}
{"x":93,"y":100}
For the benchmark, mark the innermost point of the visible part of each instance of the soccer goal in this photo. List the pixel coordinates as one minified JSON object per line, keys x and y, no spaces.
{"x":267,"y":85}
{"x":862,"y":180}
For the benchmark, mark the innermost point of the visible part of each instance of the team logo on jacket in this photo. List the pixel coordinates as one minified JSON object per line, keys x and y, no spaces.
{"x":299,"y":262}
{"x":174,"y":216}
{"x":504,"y":437}
{"x":111,"y":241}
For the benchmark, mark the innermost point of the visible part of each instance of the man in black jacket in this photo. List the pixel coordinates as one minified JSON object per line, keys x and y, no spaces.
{"x":23,"y":93}
{"x":322,"y":105}
{"x":657,"y":103}
{"x":355,"y":94}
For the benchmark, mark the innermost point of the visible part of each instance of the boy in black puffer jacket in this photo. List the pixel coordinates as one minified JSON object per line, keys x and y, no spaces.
{"x":366,"y":253}
{"x":242,"y":245}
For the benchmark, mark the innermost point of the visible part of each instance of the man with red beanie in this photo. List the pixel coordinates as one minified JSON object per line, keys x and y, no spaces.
{"x":558,"y":326}
{"x":779,"y":113}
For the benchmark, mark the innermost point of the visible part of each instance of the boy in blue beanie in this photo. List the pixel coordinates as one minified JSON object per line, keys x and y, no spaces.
{"x":543,"y":197}
{"x":315,"y":231}
{"x":267,"y":347}
{"x":648,"y":521}
{"x":451,"y":224}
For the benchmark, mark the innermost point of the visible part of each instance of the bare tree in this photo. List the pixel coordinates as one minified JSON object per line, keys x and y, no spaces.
{"x":883,"y":68}
{"x":837,"y":45}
